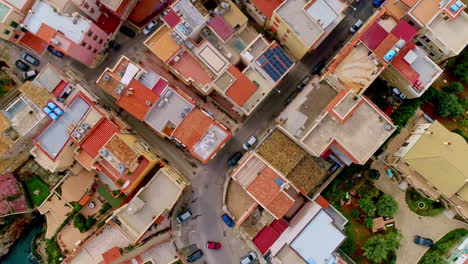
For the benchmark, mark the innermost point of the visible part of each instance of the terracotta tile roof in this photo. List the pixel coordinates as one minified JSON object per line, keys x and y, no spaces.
{"x":386,"y":45}
{"x":193,"y":127}
{"x":85,"y":159}
{"x":280,"y":205}
{"x":111,"y":254}
{"x":267,"y":6}
{"x":410,"y":3}
{"x":322,"y":202}
{"x":136,"y":102}
{"x":242,"y":89}
{"x":38,"y":95}
{"x":121,"y":150}
{"x":46,"y":32}
{"x":221,"y":27}
{"x":99,"y":136}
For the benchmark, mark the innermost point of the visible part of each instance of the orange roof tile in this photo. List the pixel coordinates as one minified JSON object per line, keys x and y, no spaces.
{"x":111,"y":255}
{"x":386,"y":45}
{"x":121,"y":151}
{"x":410,"y":3}
{"x":162,"y":44}
{"x":425,"y":10}
{"x":242,"y":88}
{"x":267,"y":6}
{"x":193,"y":127}
{"x":85,"y":159}
{"x":136,"y":102}
{"x":46,"y":33}
{"x":99,"y":136}
{"x":280,"y":205}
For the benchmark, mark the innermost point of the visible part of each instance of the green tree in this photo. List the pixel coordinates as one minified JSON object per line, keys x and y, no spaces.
{"x":105,"y":207}
{"x":378,"y":247}
{"x":405,"y":112}
{"x":454,"y":88}
{"x":463,"y":102}
{"x":367,"y":205}
{"x":461,"y":71}
{"x":368,"y":222}
{"x":432,"y":258}
{"x":90,"y":221}
{"x":386,"y":206}
{"x":79,"y":222}
{"x":447,"y":105}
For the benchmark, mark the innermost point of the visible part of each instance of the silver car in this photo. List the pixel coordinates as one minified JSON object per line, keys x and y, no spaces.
{"x":149,"y":27}
{"x":354,"y":28}
{"x":249,"y":258}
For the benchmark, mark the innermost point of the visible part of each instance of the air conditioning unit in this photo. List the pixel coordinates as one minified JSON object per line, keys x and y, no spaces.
{"x":77,"y":135}
{"x":148,"y":103}
{"x":176,"y":58}
{"x":85,"y":126}
{"x":182,"y":115}
{"x":168,"y":94}
{"x":103,"y":153}
{"x":121,"y":168}
{"x":80,"y":130}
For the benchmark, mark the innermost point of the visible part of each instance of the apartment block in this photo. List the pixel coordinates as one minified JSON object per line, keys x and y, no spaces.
{"x":302,"y":25}
{"x":12,"y":13}
{"x":168,"y":111}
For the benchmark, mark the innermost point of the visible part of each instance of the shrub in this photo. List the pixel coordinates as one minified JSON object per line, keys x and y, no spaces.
{"x":432,"y":258}
{"x":348,"y":246}
{"x":379,"y":247}
{"x":105,"y":207}
{"x":454,"y":88}
{"x":53,"y":251}
{"x":367,"y":205}
{"x":90,"y":221}
{"x":461,"y":70}
{"x":79,"y":222}
{"x":368,"y":222}
{"x":77,"y":207}
{"x":405,"y":112}
{"x":386,"y":206}
{"x":354,"y":213}
{"x":447,"y":105}
{"x":100,"y":224}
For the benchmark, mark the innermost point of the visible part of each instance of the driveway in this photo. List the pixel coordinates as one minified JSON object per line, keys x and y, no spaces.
{"x":411,"y":224}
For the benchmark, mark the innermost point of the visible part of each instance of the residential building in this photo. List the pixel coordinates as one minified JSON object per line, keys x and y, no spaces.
{"x":152,"y":203}
{"x":302,"y":25}
{"x":168,"y":111}
{"x":220,"y":54}
{"x":343,"y":127}
{"x":440,"y":25}
{"x":74,"y":35}
{"x":262,"y":10}
{"x":278,"y":176}
{"x":312,"y":236}
{"x":433,"y":160}
{"x":12,"y":13}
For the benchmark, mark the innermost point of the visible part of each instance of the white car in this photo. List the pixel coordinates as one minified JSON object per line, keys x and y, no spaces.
{"x":250,"y":142}
{"x":249,"y":258}
{"x":149,"y":27}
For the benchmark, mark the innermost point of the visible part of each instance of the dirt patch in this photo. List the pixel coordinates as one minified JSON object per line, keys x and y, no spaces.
{"x":238,"y":201}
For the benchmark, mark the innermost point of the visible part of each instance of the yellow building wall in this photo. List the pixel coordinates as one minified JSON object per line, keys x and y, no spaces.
{"x":5,"y":25}
{"x":293,"y":43}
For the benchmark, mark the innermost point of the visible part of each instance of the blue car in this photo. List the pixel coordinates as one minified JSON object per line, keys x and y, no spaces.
{"x":378,"y":3}
{"x":227,"y":220}
{"x":423,"y":241}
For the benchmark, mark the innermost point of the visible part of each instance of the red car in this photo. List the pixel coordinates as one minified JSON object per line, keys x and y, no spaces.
{"x":213,"y":245}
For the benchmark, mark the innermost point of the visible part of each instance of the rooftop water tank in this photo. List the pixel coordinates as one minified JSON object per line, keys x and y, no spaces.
{"x":454,"y":8}
{"x":390,"y":54}
{"x":47,"y":110}
{"x":53,"y":116}
{"x":52,"y":105}
{"x":58,"y":111}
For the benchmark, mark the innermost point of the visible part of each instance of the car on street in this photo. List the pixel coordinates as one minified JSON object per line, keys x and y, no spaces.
{"x":114,"y":45}
{"x":249,"y":258}
{"x":290,"y":98}
{"x":195,"y":256}
{"x":184,"y":216}
{"x":29,"y":75}
{"x":354,"y":28}
{"x":234,"y":159}
{"x":317,"y":68}
{"x":249,"y":143}
{"x":127,"y":31}
{"x":30,"y":59}
{"x":228,"y":220}
{"x":423,"y":241}
{"x":57,"y":53}
{"x":213,"y":245}
{"x":149,"y":27}
{"x":21,"y":65}
{"x":398,"y":95}
{"x":303,"y":83}
{"x":378,"y":3}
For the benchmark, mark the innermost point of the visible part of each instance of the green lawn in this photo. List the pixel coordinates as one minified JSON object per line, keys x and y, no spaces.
{"x":431,"y":208}
{"x":37,"y":190}
{"x":444,"y":245}
{"x":115,"y":202}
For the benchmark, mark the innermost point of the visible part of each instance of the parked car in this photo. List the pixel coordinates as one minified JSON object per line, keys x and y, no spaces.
{"x":184,"y":216}
{"x":21,"y":65}
{"x":423,"y":241}
{"x":354,"y":28}
{"x":149,"y":27}
{"x":303,"y":83}
{"x":335,"y":167}
{"x":127,"y":31}
{"x":249,"y":143}
{"x":57,"y":53}
{"x":235,"y":158}
{"x":227,"y":220}
{"x":213,"y":245}
{"x":29,"y":58}
{"x":317,"y":68}
{"x":398,"y":95}
{"x":114,"y":45}
{"x":378,"y":3}
{"x":29,"y":75}
{"x":195,"y":256}
{"x":249,"y":258}
{"x":290,"y":98}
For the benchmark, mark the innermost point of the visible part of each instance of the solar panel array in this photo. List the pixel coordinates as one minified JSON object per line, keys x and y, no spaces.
{"x":275,"y":62}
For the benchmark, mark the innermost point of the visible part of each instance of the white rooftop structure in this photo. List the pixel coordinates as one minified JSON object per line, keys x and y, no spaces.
{"x":73,"y":27}
{"x":212,"y":139}
{"x":322,"y":13}
{"x":191,"y":16}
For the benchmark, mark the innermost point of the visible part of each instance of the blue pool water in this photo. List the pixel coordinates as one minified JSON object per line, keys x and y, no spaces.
{"x":20,"y":253}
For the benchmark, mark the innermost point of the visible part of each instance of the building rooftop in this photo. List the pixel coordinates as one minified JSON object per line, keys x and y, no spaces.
{"x":168,"y":111}
{"x":221,"y":27}
{"x":23,"y":115}
{"x":267,"y":6}
{"x":53,"y":138}
{"x":353,"y":126}
{"x":398,"y":8}
{"x":425,"y":11}
{"x":171,"y":18}
{"x":211,"y":57}
{"x":275,"y":62}
{"x":17,"y":3}
{"x":201,"y":135}
{"x":234,"y":16}
{"x":241,"y":88}
{"x":439,"y":154}
{"x":38,"y":95}
{"x":137,"y":99}
{"x":48,"y":78}
{"x":191,"y":69}
{"x":157,"y":197}
{"x":191,"y":16}
{"x":98,"y":137}
{"x":43,"y":13}
{"x":162,"y":44}
{"x":449,"y":31}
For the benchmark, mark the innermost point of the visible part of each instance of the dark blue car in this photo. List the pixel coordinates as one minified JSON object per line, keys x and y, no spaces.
{"x":227,"y":220}
{"x":377,"y":3}
{"x":423,"y":241}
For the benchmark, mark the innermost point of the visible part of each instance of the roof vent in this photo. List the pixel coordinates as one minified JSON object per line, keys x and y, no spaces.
{"x":55,"y":42}
{"x":103,"y":152}
{"x":85,"y":126}
{"x":148,"y":103}
{"x":121,"y":168}
{"x":168,"y":94}
{"x":187,"y":109}
{"x":182,"y":115}
{"x":388,"y":127}
{"x":81,"y":130}
{"x":77,"y":135}
{"x":106,"y":78}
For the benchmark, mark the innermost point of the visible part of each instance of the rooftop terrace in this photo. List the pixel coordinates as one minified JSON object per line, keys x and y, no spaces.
{"x":449,"y":31}
{"x":424,"y":11}
{"x":191,"y":70}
